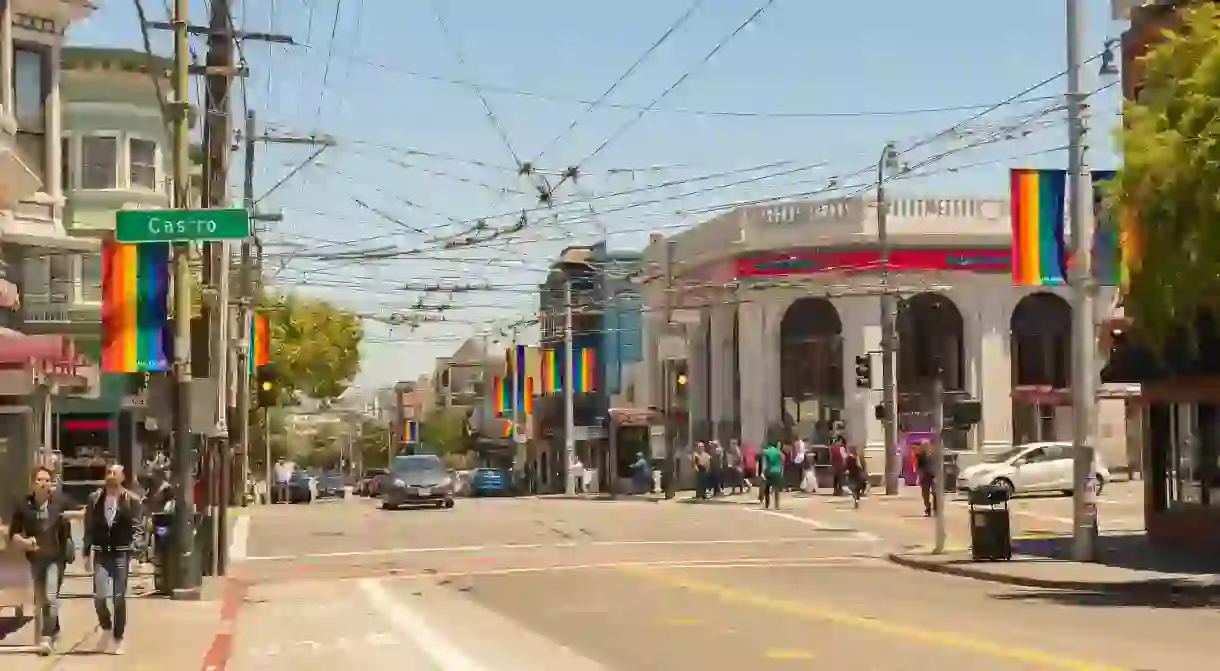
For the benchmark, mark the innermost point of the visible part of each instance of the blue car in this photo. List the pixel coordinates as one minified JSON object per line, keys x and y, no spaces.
{"x":490,"y":482}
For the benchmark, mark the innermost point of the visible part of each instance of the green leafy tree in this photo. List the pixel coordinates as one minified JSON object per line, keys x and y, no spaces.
{"x":1170,"y":176}
{"x":373,"y":444}
{"x":444,"y":430}
{"x":315,"y":347}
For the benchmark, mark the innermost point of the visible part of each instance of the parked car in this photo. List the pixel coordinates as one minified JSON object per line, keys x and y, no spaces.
{"x":417,"y":479}
{"x":1034,"y":467}
{"x":330,"y":486}
{"x":365,"y":486}
{"x":490,"y":482}
{"x":302,"y":488}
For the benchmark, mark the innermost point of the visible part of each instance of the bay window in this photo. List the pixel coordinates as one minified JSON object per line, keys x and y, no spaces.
{"x":142,"y":157}
{"x":99,"y":158}
{"x":31,"y":84}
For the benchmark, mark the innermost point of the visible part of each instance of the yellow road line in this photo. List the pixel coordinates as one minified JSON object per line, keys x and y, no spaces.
{"x":942,"y":639}
{"x":788,"y":655}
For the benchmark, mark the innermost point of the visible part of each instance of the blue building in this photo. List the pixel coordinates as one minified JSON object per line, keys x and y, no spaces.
{"x":606,"y":317}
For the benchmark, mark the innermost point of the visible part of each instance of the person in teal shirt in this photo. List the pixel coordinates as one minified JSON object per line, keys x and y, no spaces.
{"x":773,"y":473}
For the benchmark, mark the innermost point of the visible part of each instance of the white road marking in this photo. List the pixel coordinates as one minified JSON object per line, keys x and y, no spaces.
{"x":446,"y":655}
{"x":535,"y":546}
{"x":860,"y":535}
{"x":241,"y":539}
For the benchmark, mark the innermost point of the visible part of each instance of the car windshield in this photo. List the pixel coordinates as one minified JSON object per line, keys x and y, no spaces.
{"x":419,"y":464}
{"x":1004,"y":456}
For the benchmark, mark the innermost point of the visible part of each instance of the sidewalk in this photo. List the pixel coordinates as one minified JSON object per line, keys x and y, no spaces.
{"x":1127,"y":564}
{"x":161,"y":633}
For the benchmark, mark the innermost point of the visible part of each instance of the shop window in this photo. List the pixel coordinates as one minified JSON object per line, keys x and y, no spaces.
{"x":143,"y":159}
{"x":65,"y":164}
{"x":99,"y":157}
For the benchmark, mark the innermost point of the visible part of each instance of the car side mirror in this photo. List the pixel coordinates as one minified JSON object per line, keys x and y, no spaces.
{"x":1019,"y":463}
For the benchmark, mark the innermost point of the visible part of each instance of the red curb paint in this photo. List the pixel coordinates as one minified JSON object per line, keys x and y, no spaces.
{"x":218,"y":654}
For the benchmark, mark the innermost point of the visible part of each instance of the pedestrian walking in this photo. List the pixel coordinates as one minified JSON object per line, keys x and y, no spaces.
{"x":703,"y":464}
{"x":838,"y":463}
{"x":642,"y":473}
{"x":856,"y":473}
{"x":772,"y":466}
{"x":925,"y":468}
{"x":737,"y":479}
{"x":283,"y":474}
{"x":113,"y":534}
{"x":39,"y":529}
{"x":717,"y":472}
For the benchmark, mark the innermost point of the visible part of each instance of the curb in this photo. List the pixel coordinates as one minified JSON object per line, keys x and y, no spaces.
{"x":1155,"y":586}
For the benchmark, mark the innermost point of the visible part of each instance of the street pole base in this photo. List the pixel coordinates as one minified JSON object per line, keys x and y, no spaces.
{"x":186,"y":594}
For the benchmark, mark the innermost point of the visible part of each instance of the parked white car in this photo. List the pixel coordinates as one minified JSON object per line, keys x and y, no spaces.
{"x":1035,"y":467}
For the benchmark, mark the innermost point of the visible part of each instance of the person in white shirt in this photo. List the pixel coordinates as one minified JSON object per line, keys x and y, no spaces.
{"x":283,"y":474}
{"x":578,"y":474}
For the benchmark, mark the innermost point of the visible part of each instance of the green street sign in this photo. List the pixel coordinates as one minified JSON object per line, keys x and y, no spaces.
{"x":181,"y":225}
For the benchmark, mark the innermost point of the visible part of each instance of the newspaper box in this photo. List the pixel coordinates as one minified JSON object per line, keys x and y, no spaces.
{"x":16,"y":591}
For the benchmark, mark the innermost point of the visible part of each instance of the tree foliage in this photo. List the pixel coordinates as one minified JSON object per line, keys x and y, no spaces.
{"x":1168,"y":188}
{"x":444,"y":430}
{"x":315,"y":346}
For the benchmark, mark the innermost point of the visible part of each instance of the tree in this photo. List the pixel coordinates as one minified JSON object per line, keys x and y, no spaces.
{"x":1167,"y":187}
{"x":373,"y":444}
{"x":315,"y":346}
{"x":444,"y":430}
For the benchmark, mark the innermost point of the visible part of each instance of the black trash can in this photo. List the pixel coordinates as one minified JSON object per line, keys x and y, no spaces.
{"x":990,"y":524}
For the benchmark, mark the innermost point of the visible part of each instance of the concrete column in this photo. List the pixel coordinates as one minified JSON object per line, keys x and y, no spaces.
{"x":723,"y":361}
{"x":990,"y":348}
{"x":53,"y":183}
{"x":750,"y":343}
{"x":974,"y":330}
{"x":861,"y":335}
{"x":769,"y":360}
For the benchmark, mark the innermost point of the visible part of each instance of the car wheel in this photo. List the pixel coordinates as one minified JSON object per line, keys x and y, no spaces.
{"x":1006,"y":484}
{"x":449,"y":504}
{"x":386,"y":505}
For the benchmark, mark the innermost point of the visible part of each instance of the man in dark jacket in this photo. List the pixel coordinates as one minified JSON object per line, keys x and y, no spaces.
{"x":925,"y":467}
{"x":113,"y":533}
{"x":40,"y":529}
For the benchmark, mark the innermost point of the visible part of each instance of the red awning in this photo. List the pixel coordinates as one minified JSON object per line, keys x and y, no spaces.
{"x":16,"y":347}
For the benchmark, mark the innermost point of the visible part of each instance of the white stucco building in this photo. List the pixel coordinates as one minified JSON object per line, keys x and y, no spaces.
{"x":771,"y":305}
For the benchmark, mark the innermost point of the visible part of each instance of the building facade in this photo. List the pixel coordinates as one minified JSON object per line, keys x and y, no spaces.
{"x":606,"y":318}
{"x":769,"y":307}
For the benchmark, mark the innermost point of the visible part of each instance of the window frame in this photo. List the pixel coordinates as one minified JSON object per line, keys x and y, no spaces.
{"x":45,"y":52}
{"x":117,"y":137}
{"x":69,"y":174}
{"x":128,"y":163}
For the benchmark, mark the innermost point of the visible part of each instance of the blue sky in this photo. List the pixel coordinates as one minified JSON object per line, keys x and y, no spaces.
{"x":418,"y":152}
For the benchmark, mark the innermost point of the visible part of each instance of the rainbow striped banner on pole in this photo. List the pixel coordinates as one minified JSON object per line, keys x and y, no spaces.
{"x":529,"y":395}
{"x":500,"y":398}
{"x":410,"y":432}
{"x":520,"y":370}
{"x":260,"y":342}
{"x":584,"y":373}
{"x":552,"y":371}
{"x":1037,"y":226}
{"x":135,"y":307}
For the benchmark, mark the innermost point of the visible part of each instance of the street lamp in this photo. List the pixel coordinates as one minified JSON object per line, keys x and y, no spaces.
{"x":889,"y":397}
{"x":1108,"y":67}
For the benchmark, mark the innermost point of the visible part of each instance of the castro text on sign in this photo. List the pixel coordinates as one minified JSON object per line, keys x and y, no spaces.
{"x":181,"y":225}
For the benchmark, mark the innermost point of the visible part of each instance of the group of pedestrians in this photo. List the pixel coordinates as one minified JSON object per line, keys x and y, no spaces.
{"x":40,"y":527}
{"x":719,"y":469}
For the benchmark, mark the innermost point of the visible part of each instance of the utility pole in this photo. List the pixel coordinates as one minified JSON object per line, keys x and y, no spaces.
{"x":239,"y":432}
{"x":889,"y":317}
{"x":661,"y":382}
{"x":217,"y":133}
{"x":185,"y":580}
{"x":938,"y":454}
{"x":569,"y":419}
{"x":1084,"y":399}
{"x":518,"y":465}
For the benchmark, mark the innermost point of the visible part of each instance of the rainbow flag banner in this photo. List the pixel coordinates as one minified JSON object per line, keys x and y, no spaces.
{"x":135,"y":307}
{"x":1108,"y":268}
{"x":552,"y":371}
{"x":584,"y":372}
{"x":260,"y":342}
{"x":519,"y":367}
{"x":1037,"y":226}
{"x":529,"y":395}
{"x":410,"y":432}
{"x":500,"y":400}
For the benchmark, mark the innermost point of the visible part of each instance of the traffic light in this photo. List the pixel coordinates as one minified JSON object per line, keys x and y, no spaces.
{"x":268,"y":387}
{"x":864,"y":372}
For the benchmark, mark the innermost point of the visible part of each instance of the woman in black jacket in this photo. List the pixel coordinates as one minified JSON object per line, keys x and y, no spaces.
{"x":40,"y":529}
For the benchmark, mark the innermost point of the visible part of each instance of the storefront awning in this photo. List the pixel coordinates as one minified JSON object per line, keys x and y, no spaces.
{"x":1047,"y":395}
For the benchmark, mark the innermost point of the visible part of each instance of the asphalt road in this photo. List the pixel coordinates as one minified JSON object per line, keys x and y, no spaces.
{"x":526,"y":584}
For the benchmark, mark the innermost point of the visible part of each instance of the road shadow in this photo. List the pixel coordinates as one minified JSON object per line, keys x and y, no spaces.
{"x":11,"y":626}
{"x":1154,"y":595}
{"x":1130,"y":551}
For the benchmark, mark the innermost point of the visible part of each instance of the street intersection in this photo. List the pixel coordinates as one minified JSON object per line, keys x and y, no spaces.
{"x":523,"y":584}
